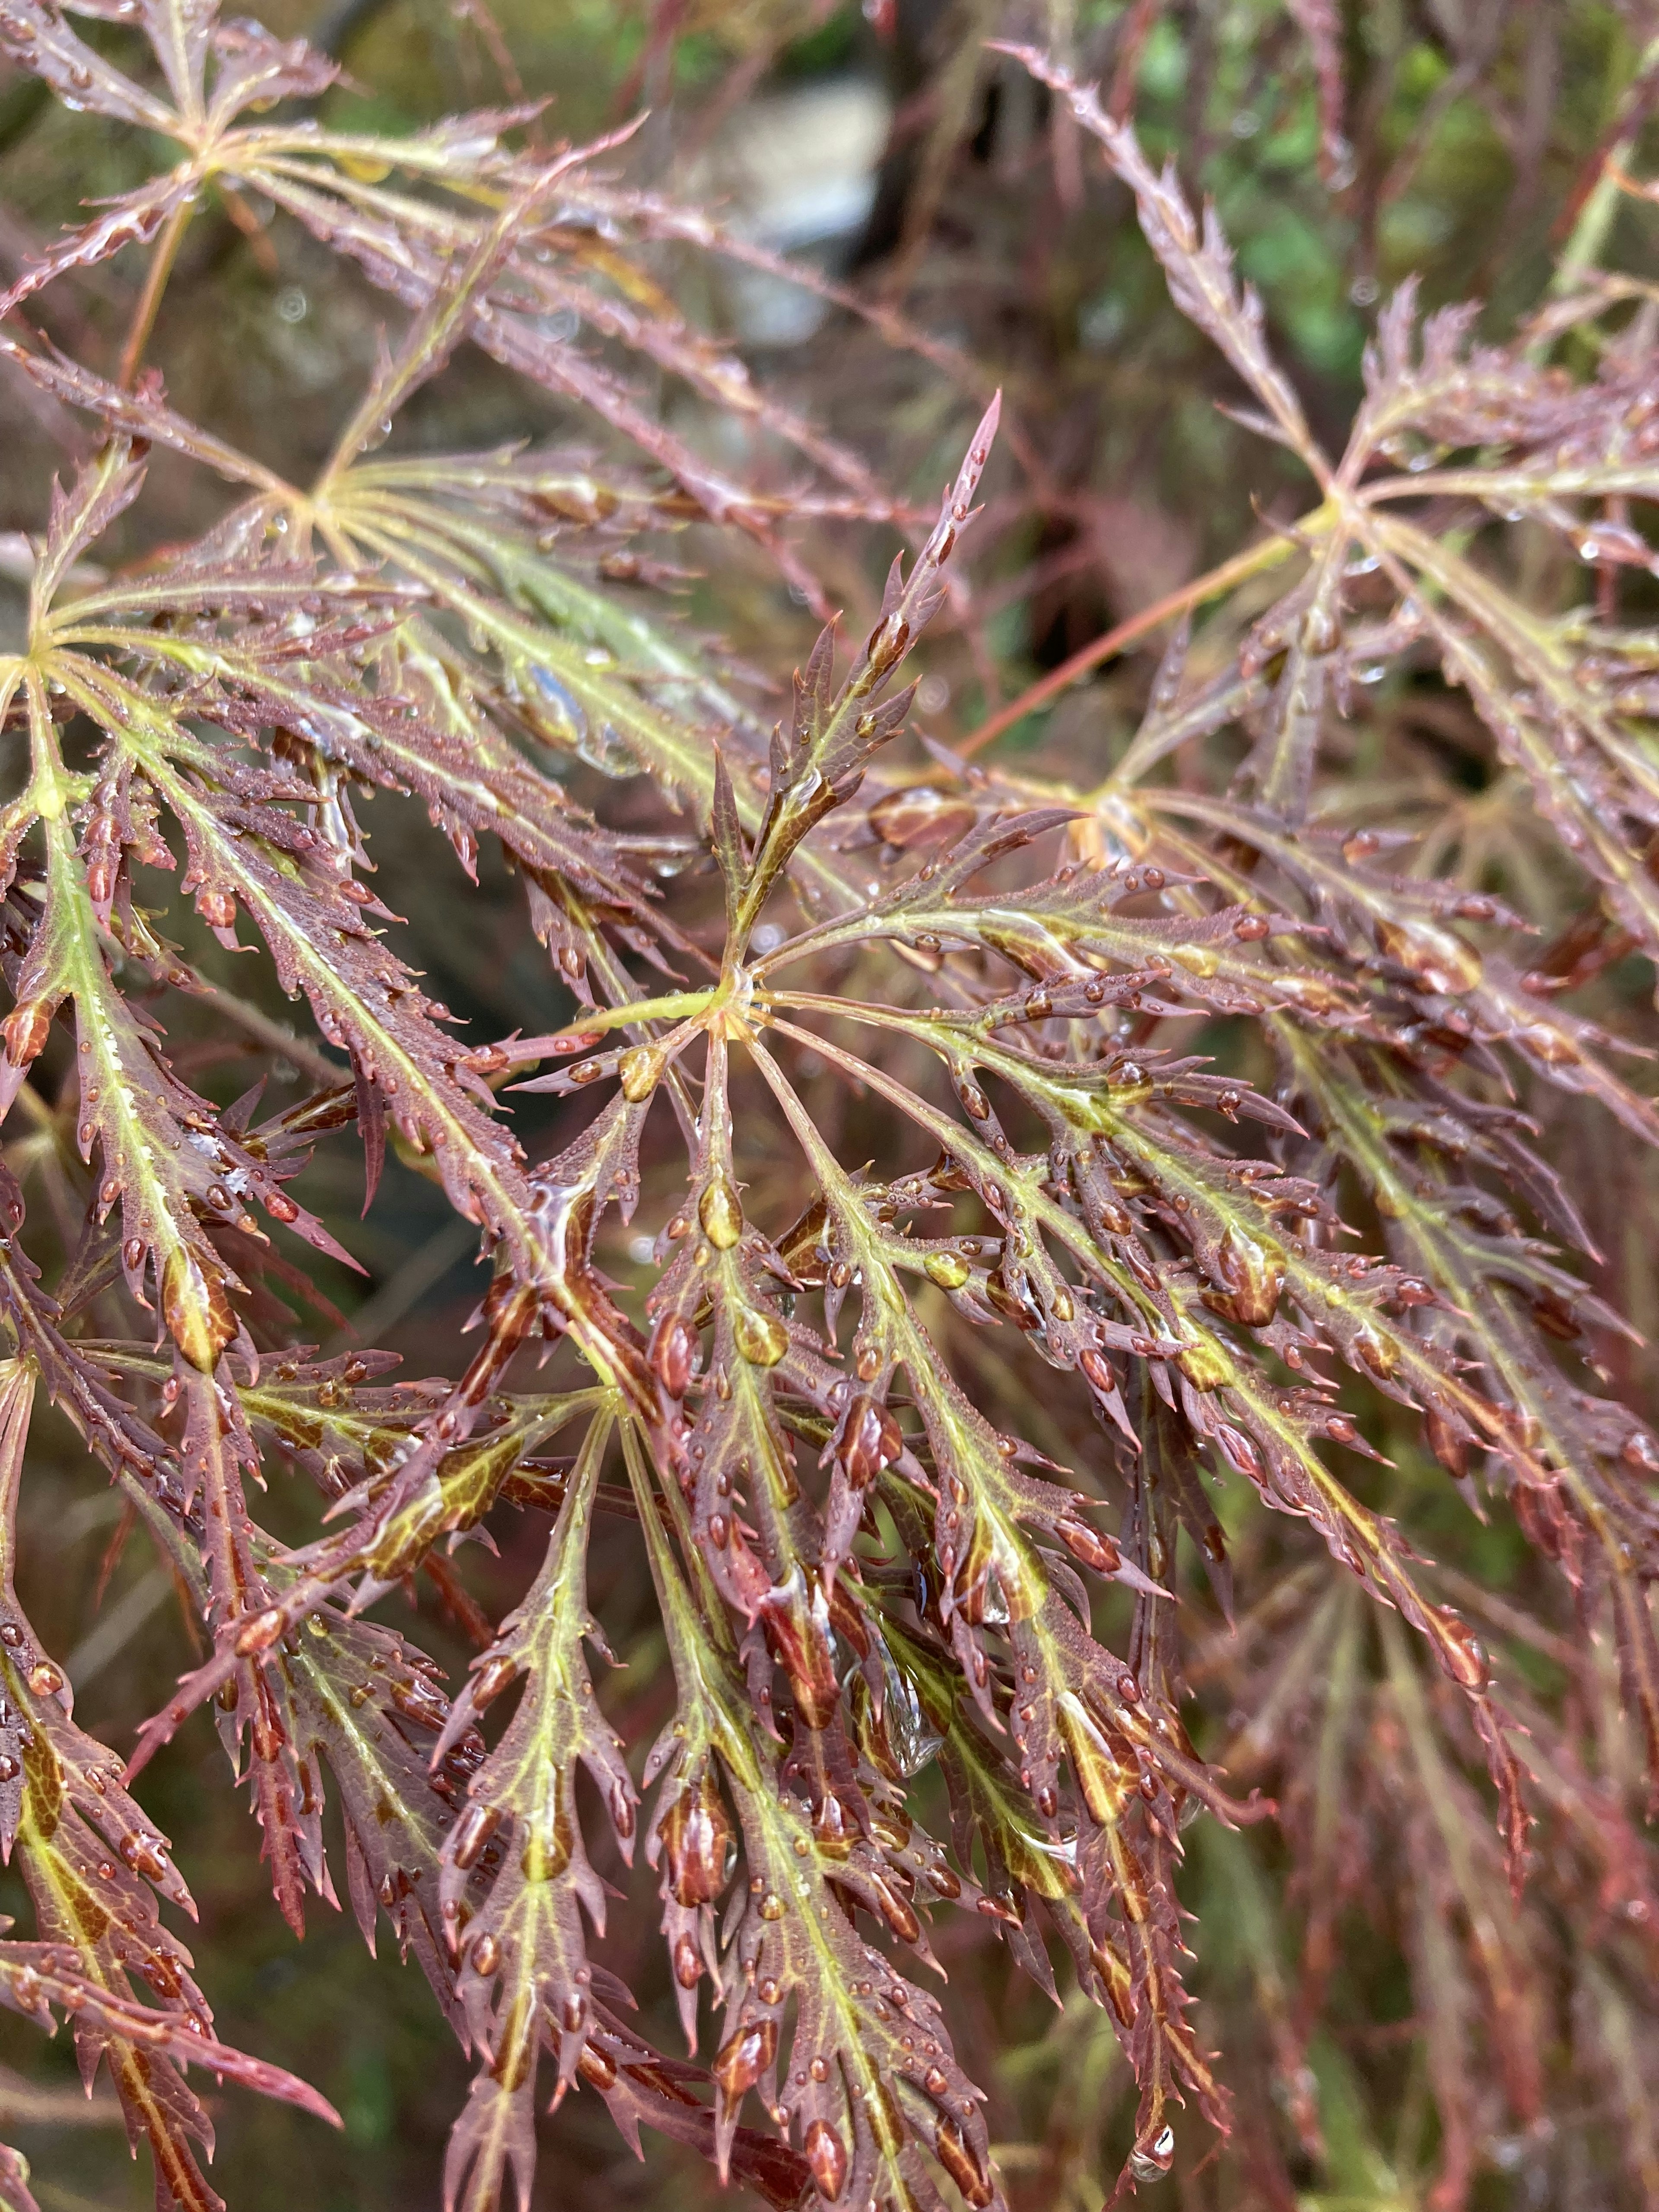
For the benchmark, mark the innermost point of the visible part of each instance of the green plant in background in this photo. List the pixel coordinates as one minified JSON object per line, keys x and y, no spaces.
{"x":983,"y":1333}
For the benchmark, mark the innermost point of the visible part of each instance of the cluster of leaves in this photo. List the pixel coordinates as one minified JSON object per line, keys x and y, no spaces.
{"x":873,"y":1574}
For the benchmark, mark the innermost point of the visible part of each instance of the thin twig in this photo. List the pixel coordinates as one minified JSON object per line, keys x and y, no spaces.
{"x":149,"y":300}
{"x":1208,"y":586}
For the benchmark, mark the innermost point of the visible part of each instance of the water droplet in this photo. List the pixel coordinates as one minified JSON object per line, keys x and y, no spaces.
{"x":720,"y":1212}
{"x":948,"y":1269}
{"x":1151,"y":2160}
{"x":761,"y":1337}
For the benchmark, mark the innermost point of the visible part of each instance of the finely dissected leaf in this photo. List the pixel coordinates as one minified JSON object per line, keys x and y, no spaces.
{"x":524,"y":1978}
{"x":869,"y":2075}
{"x":93,"y":1867}
{"x":1210,"y":1098}
{"x":38,"y":38}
